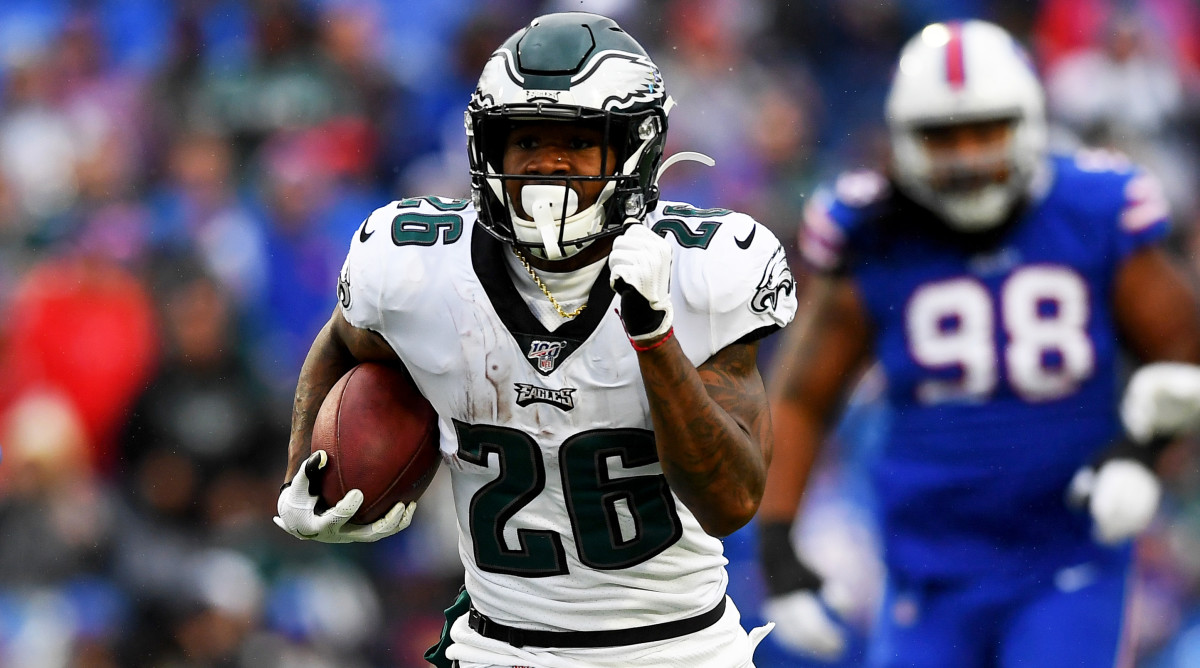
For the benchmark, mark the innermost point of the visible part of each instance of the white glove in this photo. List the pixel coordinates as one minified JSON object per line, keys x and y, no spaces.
{"x":298,"y":516}
{"x":803,"y":623}
{"x":1122,"y":498}
{"x":640,"y":266}
{"x":1162,"y":399}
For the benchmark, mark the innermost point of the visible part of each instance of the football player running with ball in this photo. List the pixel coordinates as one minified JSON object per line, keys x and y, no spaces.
{"x":590,"y":350}
{"x":1002,"y":290}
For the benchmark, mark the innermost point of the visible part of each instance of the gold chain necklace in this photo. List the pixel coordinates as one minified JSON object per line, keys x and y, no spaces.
{"x":545,"y":290}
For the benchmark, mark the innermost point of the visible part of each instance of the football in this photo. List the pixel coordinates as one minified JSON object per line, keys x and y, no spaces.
{"x":381,"y":437}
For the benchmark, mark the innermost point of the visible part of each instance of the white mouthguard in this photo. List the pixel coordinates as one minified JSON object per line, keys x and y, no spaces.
{"x":544,"y":203}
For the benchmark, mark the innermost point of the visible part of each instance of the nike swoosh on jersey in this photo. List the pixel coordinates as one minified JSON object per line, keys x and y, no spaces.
{"x":745,"y":243}
{"x":363,"y":234}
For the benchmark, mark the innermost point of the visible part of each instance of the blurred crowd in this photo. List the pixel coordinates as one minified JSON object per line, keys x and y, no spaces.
{"x":179,"y":183}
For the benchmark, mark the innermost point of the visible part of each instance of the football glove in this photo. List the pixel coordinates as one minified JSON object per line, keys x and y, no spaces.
{"x":1120,"y":490}
{"x":297,"y":508}
{"x":806,"y":610}
{"x":640,"y":271}
{"x":1161,"y":400}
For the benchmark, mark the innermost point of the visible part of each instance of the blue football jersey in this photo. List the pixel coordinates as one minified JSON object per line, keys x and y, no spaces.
{"x":1001,"y":358}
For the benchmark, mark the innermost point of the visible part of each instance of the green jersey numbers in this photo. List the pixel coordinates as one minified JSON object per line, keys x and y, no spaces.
{"x":617,"y":520}
{"x":692,"y":212}
{"x":522,"y":477}
{"x":595,"y":498}
{"x":701,"y":237}
{"x":413,"y":228}
{"x":439,"y":203}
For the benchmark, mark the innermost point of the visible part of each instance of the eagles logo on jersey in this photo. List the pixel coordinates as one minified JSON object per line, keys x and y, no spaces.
{"x":529,"y":394}
{"x":343,"y":288}
{"x":777,"y":282}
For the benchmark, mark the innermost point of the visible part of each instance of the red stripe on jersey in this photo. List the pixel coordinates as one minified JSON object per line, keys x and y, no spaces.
{"x":956,"y":73}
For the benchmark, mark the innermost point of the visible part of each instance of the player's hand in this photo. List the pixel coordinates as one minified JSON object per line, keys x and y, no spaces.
{"x":806,"y":609}
{"x":1121,"y":494}
{"x":640,"y":271}
{"x":806,"y":624}
{"x":1161,"y":400}
{"x":297,"y":508}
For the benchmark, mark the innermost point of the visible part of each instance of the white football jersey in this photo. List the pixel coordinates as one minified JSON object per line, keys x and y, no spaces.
{"x":565,"y":519}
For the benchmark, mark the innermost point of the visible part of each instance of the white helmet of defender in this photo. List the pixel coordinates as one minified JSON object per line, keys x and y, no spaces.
{"x":956,"y":73}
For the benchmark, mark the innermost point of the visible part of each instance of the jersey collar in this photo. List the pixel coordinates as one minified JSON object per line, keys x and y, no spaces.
{"x":543,"y":349}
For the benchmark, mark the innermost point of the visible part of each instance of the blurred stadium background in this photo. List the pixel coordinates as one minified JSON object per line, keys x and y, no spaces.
{"x":179,"y":182}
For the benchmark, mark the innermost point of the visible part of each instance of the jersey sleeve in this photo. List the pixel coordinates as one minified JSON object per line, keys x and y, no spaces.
{"x":363,"y":278}
{"x":737,"y":287}
{"x":1144,"y":213}
{"x":831,"y":215}
{"x":400,"y":251}
{"x":820,"y":239}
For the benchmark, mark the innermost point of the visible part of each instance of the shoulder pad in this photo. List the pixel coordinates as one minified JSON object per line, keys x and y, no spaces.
{"x":394,"y":250}
{"x":731,"y":274}
{"x":832,"y":214}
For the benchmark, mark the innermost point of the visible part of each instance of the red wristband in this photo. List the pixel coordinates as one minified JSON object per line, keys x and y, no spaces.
{"x":666,"y":337}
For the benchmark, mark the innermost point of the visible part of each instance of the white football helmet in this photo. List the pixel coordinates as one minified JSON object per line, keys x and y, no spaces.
{"x":571,"y":67}
{"x":958,"y":73}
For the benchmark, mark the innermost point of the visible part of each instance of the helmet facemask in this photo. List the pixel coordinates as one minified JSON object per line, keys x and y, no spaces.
{"x":571,"y":67}
{"x":966,"y":75}
{"x":969,"y":173}
{"x":553,"y":226}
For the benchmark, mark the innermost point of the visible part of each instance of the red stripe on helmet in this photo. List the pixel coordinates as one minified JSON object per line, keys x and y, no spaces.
{"x":956,"y":72}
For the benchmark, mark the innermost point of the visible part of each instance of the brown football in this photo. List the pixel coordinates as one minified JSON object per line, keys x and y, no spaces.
{"x":381,"y":437}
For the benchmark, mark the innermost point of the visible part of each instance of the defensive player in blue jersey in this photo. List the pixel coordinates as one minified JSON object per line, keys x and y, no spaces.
{"x":1007,"y":294}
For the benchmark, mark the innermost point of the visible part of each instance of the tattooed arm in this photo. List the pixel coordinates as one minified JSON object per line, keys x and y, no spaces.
{"x":712,"y":426}
{"x":337,"y":348}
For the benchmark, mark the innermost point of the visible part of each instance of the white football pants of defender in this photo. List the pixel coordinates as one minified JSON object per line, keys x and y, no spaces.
{"x":725,"y":644}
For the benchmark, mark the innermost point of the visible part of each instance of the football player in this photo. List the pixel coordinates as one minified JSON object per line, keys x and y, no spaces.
{"x":591,"y":352}
{"x":1001,"y":289}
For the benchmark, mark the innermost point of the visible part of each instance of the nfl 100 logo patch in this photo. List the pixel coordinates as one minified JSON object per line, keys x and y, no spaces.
{"x":546,"y":353}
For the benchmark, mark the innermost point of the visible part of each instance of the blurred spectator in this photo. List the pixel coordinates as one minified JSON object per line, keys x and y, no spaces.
{"x":1120,"y":92}
{"x":310,"y":215}
{"x":195,"y":475}
{"x":38,"y":145}
{"x":198,"y":208}
{"x":176,"y":87}
{"x":1061,"y":27}
{"x":752,"y":119}
{"x":81,"y":325}
{"x":193,"y":452}
{"x":377,"y":119}
{"x":287,"y":83}
{"x":51,"y":507}
{"x":710,"y":72}
{"x":431,"y":139}
{"x":1066,"y":26}
{"x":1125,"y":93}
{"x":848,"y":46}
{"x":106,"y":104}
{"x":57,"y":520}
